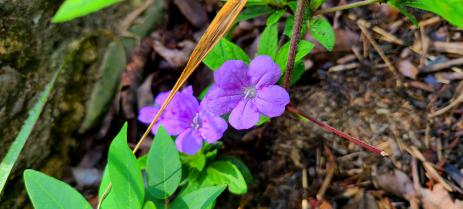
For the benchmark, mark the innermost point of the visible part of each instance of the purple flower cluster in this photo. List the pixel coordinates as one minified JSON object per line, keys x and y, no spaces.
{"x":242,"y":92}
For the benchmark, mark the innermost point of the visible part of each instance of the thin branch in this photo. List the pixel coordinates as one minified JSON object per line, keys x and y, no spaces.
{"x":294,"y":41}
{"x":346,"y":6}
{"x":341,"y":134}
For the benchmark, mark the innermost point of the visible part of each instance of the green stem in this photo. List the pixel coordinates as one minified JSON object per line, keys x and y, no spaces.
{"x":346,"y":6}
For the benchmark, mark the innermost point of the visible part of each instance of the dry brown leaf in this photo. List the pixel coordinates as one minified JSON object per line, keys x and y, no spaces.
{"x":408,"y":69}
{"x":439,"y":198}
{"x":397,"y":183}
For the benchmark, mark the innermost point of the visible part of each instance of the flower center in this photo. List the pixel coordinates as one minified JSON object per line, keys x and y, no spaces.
{"x":250,"y":92}
{"x":196,"y":123}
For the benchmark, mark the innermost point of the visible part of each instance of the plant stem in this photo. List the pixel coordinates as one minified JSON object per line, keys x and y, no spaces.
{"x":346,"y":6}
{"x":341,"y":134}
{"x":294,"y":41}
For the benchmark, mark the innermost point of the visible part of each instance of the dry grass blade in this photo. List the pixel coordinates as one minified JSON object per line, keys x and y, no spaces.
{"x":216,"y":31}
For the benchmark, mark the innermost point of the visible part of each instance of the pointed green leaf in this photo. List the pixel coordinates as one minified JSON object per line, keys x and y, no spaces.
{"x":72,"y":9}
{"x":149,"y":205}
{"x":46,"y":192}
{"x":303,"y":49}
{"x":196,"y":161}
{"x":244,"y":170}
{"x":113,"y":63}
{"x":262,"y":120}
{"x":163,"y":167}
{"x":223,"y":51}
{"x":451,"y":10}
{"x":254,"y":11}
{"x":225,"y":172}
{"x":315,"y":4}
{"x":400,"y":6}
{"x":275,"y":17}
{"x":199,"y":199}
{"x":127,"y":181}
{"x":268,"y":43}
{"x":323,"y":32}
{"x":109,"y":201}
{"x":33,"y":116}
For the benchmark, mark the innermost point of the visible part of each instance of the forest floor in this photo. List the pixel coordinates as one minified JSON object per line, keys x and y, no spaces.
{"x":408,"y":104}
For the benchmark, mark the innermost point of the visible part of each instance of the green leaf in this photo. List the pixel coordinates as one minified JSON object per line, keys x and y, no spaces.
{"x":13,"y":152}
{"x":275,"y":17}
{"x":303,"y":49}
{"x":323,"y":32}
{"x":315,"y":4}
{"x":223,"y":51}
{"x":149,"y":205}
{"x":299,"y":69}
{"x":109,"y":202}
{"x":451,"y":10}
{"x":241,"y":166}
{"x":46,"y":192}
{"x":225,"y":172}
{"x":199,"y":199}
{"x":268,"y":43}
{"x":142,"y":162}
{"x":196,"y":161}
{"x":262,"y":120}
{"x":399,"y":5}
{"x":254,"y":11}
{"x":289,"y":24}
{"x":113,"y":64}
{"x":128,"y":187}
{"x":163,"y":168}
{"x":72,"y":9}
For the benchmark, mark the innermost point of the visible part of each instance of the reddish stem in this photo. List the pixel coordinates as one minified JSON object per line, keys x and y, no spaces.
{"x":341,"y":134}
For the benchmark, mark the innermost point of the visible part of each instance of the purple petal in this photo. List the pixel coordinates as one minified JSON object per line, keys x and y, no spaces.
{"x":232,"y":75}
{"x":272,"y":100}
{"x":161,"y":98}
{"x":188,"y":90}
{"x":147,"y":114}
{"x":175,"y":126}
{"x":244,"y":115}
{"x":212,"y":127}
{"x":183,"y":107}
{"x":263,"y":71}
{"x":220,"y":101}
{"x":189,"y":142}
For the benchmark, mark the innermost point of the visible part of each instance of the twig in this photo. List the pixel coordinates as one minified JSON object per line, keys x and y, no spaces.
{"x":455,"y":103}
{"x":341,"y":134}
{"x":347,"y":6}
{"x":294,"y":41}
{"x":442,"y":66}
{"x":429,"y":167}
{"x":132,"y":75}
{"x":305,"y":186}
{"x":363,"y":27}
{"x":331,"y":167}
{"x":131,"y":17}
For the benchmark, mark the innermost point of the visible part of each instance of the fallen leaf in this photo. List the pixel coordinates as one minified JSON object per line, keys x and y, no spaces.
{"x":439,"y":198}
{"x":397,"y":183}
{"x":408,"y":69}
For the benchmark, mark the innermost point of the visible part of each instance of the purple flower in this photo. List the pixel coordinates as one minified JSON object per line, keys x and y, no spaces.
{"x":185,"y":117}
{"x":247,"y":93}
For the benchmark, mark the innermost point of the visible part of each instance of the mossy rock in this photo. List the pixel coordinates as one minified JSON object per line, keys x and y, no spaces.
{"x":31,"y":50}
